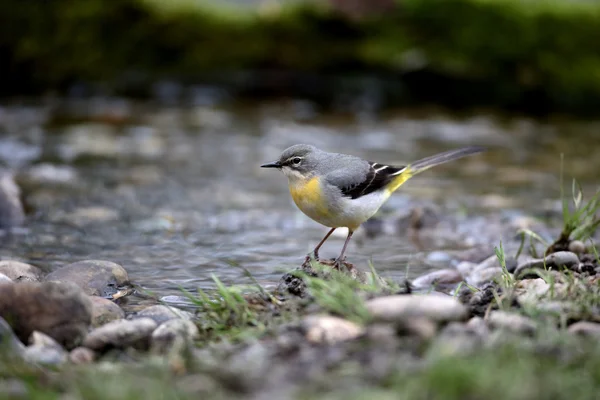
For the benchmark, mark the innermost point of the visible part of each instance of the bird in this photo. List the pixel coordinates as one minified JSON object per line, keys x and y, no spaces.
{"x":343,"y":191}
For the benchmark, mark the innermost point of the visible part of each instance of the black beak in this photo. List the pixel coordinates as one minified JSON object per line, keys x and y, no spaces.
{"x":274,"y":164}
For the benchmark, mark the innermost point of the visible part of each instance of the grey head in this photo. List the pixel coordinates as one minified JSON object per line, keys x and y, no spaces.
{"x":298,"y":159}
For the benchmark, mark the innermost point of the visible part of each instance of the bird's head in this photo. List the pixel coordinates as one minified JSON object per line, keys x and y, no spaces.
{"x":297,"y":162}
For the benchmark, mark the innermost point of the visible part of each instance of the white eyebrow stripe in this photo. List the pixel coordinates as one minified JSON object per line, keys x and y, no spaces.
{"x":381,"y":169}
{"x":399,"y":172}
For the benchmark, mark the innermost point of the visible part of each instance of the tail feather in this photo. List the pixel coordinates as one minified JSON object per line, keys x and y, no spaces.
{"x":428,"y":162}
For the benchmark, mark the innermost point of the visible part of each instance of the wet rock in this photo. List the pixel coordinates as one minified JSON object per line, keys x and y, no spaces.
{"x":44,"y":350}
{"x":556,"y":261}
{"x":160,"y":313}
{"x":585,"y":328}
{"x":96,"y":278}
{"x":8,"y":340}
{"x":325,"y":329}
{"x":400,"y":308}
{"x":82,"y":355}
{"x":121,"y":334}
{"x":104,"y":311}
{"x":173,"y":337}
{"x":511,"y":322}
{"x":60,"y":310}
{"x":11,"y":208}
{"x":442,"y":279}
{"x":19,"y":271}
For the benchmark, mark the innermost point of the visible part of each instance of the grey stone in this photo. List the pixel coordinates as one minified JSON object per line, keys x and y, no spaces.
{"x":161,"y":313}
{"x":49,"y":174}
{"x":480,"y":277}
{"x":11,"y":209}
{"x":577,"y":247}
{"x":20,"y":271}
{"x":440,"y":278}
{"x":60,"y":310}
{"x":556,"y":261}
{"x":121,"y":334}
{"x":44,"y":350}
{"x":104,"y":311}
{"x":325,"y":329}
{"x":585,"y":328}
{"x":95,"y":277}
{"x":400,"y":308}
{"x":173,"y":335}
{"x":4,"y":278}
{"x":511,"y":322}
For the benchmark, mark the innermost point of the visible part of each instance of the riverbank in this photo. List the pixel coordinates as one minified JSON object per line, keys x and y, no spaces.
{"x":534,"y":57}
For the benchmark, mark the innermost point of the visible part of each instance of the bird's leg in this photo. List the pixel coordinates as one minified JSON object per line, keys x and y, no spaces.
{"x":338,"y":262}
{"x":316,"y":250}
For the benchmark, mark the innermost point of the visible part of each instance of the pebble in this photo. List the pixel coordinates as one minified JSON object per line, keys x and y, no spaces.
{"x":173,"y":335}
{"x":577,"y":247}
{"x":529,"y":291}
{"x":82,"y":355}
{"x":558,"y":260}
{"x":11,"y":209}
{"x":480,"y":277}
{"x":326,"y":329}
{"x":435,"y":279}
{"x":465,"y":268}
{"x":511,"y":322}
{"x":4,"y":278}
{"x":400,"y":308}
{"x":44,"y":350}
{"x":60,"y":310}
{"x":91,"y":215}
{"x":121,"y":334}
{"x":95,"y":277}
{"x":161,"y":313}
{"x":104,"y":311}
{"x":439,"y":258}
{"x":478,"y":326}
{"x":50,"y":174}
{"x":20,"y":271}
{"x":585,"y":328}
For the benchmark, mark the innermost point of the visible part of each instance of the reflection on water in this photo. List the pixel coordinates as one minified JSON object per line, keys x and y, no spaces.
{"x":176,"y":194}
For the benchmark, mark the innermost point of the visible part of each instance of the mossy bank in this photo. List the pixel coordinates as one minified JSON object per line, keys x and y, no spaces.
{"x":534,"y":56}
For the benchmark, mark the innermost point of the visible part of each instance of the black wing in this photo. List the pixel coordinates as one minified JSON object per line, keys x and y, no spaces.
{"x":377,"y":178}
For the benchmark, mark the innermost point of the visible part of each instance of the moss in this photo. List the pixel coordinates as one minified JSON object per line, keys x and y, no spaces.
{"x":527,"y":55}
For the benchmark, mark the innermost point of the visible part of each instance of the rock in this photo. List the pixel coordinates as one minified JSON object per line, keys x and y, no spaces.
{"x":511,"y":322}
{"x":104,"y":311}
{"x":456,"y":339}
{"x":50,"y":174}
{"x":173,"y":336}
{"x":401,"y":308}
{"x":91,"y":215}
{"x":530,"y":291}
{"x":82,"y":355}
{"x":4,"y":278}
{"x":325,"y":329}
{"x":96,"y":278}
{"x":465,"y":268}
{"x":440,"y":279}
{"x":121,"y":334}
{"x":8,"y":340}
{"x":478,"y":326}
{"x":423,"y":328}
{"x":556,"y":261}
{"x":482,"y":276}
{"x":585,"y":328}
{"x":439,"y":259}
{"x":577,"y":247}
{"x":44,"y":350}
{"x":19,"y":271}
{"x":11,"y":209}
{"x":160,"y":313}
{"x":60,"y":310}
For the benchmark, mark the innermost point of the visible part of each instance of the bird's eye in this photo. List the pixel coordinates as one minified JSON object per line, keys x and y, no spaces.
{"x":296,"y":160}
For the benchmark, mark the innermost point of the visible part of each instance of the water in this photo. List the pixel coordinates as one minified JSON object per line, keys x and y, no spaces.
{"x":175,"y":194}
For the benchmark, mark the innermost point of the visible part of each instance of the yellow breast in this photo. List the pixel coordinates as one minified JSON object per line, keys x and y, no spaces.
{"x":309,"y":198}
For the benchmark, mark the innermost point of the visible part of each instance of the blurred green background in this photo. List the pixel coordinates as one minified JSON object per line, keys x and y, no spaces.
{"x":531,"y":56}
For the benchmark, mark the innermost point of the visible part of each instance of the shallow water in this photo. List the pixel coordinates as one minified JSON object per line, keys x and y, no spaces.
{"x":175,"y":193}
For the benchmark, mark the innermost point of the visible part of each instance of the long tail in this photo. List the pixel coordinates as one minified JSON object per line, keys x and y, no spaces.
{"x":428,"y":162}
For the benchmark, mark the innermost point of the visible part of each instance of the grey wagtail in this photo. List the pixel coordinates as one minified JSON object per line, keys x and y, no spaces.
{"x":340,"y":190}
